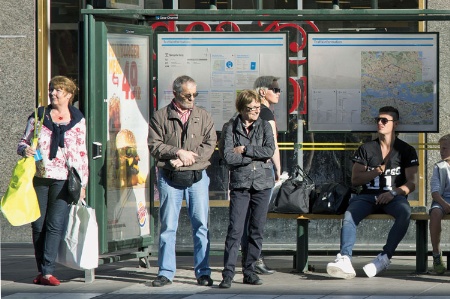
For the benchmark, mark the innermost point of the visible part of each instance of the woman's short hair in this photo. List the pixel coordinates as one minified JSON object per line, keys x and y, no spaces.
{"x":66,"y":84}
{"x":244,"y":98}
{"x":445,"y":138}
{"x":264,"y":82}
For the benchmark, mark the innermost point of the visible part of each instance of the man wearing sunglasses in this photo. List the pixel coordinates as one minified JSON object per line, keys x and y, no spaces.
{"x":268,"y":91}
{"x":386,"y":169}
{"x":182,"y":138}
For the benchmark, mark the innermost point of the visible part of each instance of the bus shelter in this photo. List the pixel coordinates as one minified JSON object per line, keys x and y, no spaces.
{"x":129,"y":59}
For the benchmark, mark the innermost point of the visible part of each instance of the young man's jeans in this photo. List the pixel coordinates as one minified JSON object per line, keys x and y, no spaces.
{"x":197,"y":203}
{"x":363,"y":205}
{"x":256,"y":203}
{"x":48,"y":229}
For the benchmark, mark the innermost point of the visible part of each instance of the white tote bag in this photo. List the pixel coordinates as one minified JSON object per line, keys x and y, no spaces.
{"x":79,"y":246}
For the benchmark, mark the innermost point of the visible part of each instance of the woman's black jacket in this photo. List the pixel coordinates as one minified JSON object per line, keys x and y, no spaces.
{"x":253,"y":168}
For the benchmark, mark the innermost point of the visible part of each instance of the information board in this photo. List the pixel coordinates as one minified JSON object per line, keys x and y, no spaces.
{"x":352,"y":75}
{"x":222,"y":64}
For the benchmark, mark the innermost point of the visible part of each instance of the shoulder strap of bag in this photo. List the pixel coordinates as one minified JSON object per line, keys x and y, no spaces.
{"x":299,"y":172}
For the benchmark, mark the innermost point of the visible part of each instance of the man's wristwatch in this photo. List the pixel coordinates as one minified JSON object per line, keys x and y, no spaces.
{"x":393,"y":193}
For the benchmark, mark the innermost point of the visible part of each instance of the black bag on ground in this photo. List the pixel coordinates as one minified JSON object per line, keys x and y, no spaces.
{"x":294,"y":194}
{"x":330,"y":198}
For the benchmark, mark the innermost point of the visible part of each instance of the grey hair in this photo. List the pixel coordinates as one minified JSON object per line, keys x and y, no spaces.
{"x":178,"y":83}
{"x":264,"y":82}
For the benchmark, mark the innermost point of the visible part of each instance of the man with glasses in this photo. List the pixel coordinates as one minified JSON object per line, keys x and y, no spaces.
{"x":268,"y":92}
{"x":182,"y":138}
{"x":386,"y":169}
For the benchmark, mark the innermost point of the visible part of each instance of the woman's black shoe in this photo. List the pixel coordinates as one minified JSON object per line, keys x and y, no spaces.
{"x":226,"y":283}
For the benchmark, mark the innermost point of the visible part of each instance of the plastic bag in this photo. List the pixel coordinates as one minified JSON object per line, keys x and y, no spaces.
{"x":20,"y":204}
{"x":79,"y":246}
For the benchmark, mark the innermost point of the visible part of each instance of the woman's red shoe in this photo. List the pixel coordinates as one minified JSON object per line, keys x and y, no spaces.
{"x":37,"y":280}
{"x":51,"y":281}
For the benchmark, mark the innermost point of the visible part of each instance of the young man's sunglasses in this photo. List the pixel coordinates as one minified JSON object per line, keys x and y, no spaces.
{"x":383,"y":120}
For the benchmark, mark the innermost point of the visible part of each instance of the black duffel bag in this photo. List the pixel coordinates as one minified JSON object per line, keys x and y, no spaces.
{"x":184,"y":178}
{"x":330,"y":198}
{"x":294,"y":194}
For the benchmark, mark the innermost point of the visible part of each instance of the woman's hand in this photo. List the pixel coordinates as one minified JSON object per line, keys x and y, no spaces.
{"x":83,"y":193}
{"x":29,"y":151}
{"x":239,"y":149}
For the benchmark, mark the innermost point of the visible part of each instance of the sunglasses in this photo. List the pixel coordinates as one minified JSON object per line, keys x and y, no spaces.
{"x":250,"y":109}
{"x":189,"y":95}
{"x":383,"y":120}
{"x":275,"y":90}
{"x":129,"y":152}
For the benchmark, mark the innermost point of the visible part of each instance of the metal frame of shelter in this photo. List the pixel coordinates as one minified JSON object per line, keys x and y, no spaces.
{"x":92,"y":80}
{"x":280,"y":15}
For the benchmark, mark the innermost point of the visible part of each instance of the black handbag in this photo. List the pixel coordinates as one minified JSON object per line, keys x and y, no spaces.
{"x":73,"y":185}
{"x":330,"y":198}
{"x":73,"y":181}
{"x":294,"y":194}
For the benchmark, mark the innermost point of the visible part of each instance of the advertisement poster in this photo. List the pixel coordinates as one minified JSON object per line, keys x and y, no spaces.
{"x":128,"y":158}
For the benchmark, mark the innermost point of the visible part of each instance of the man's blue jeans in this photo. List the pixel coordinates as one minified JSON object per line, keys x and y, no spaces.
{"x":197,"y":203}
{"x":48,"y":229}
{"x":363,"y":205}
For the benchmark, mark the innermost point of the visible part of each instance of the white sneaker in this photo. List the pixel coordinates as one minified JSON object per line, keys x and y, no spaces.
{"x":341,"y":268}
{"x":380,"y":263}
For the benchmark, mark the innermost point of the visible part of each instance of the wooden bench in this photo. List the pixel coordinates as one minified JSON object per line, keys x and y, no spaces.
{"x":301,"y":254}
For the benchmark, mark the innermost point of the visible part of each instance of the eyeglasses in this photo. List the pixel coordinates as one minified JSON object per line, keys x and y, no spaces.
{"x":383,"y":120}
{"x":275,"y":90}
{"x":189,"y":95}
{"x":250,"y":109}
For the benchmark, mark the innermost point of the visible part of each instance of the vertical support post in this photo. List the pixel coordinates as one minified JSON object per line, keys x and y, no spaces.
{"x":374,"y":4}
{"x":89,"y":276}
{"x":302,"y":245}
{"x":421,"y":246}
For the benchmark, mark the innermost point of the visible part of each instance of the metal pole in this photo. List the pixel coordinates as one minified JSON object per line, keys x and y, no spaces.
{"x":374,"y":4}
{"x":259,"y":4}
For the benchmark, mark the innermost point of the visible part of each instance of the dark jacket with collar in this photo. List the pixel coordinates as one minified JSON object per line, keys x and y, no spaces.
{"x":254,"y":167}
{"x":166,"y":136}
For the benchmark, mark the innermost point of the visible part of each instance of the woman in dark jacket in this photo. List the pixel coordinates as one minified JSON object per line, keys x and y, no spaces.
{"x":246,"y":145}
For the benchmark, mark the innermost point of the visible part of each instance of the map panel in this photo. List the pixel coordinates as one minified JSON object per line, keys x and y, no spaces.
{"x":352,"y":75}
{"x":394,"y":78}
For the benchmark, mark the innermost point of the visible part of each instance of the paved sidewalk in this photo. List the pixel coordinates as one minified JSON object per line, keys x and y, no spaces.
{"x":126,"y":279}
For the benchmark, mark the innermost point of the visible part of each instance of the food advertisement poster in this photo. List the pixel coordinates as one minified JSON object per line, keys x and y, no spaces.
{"x":127,"y":152}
